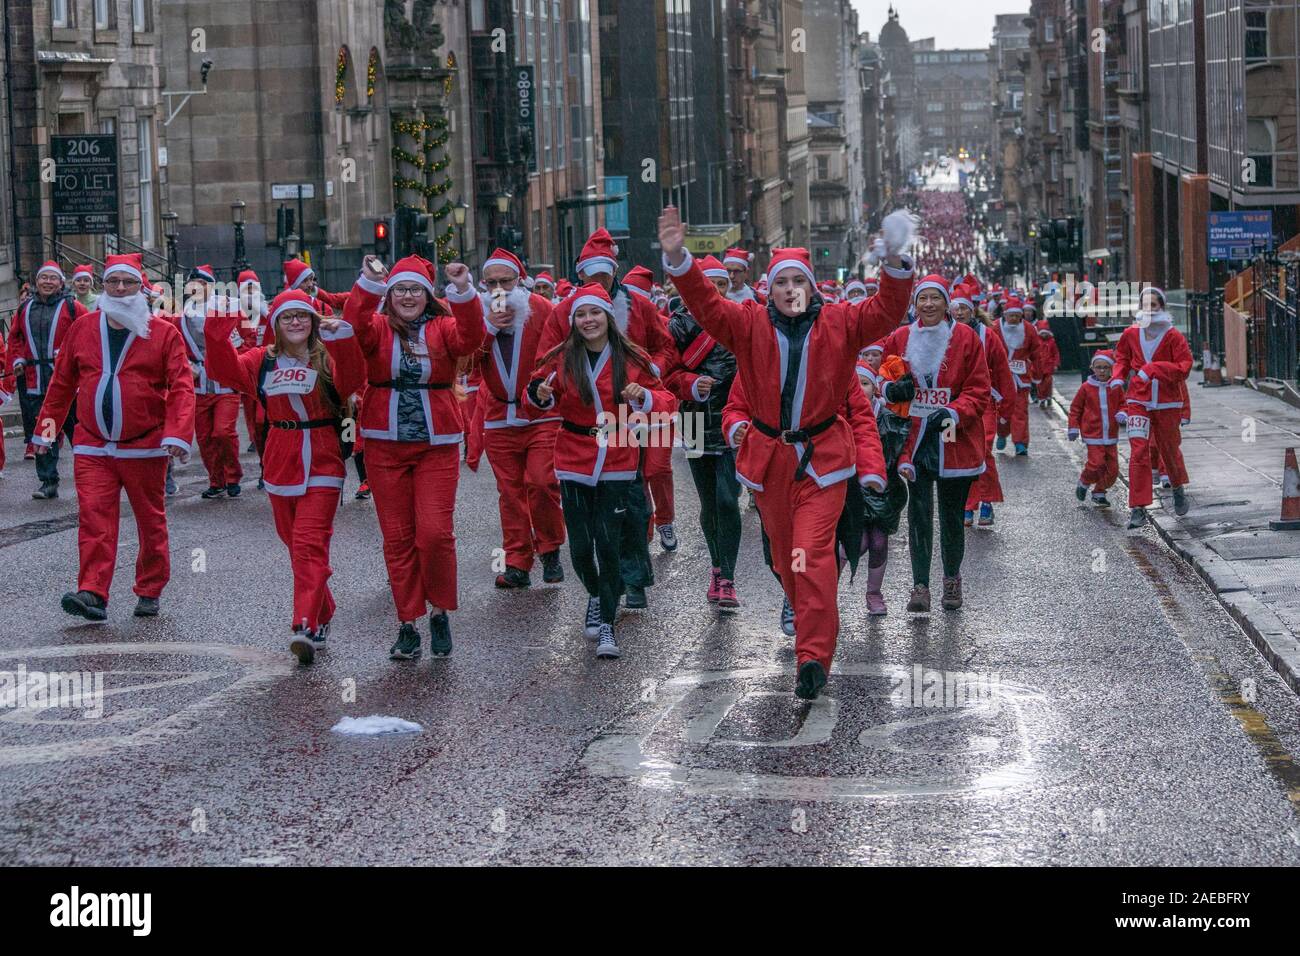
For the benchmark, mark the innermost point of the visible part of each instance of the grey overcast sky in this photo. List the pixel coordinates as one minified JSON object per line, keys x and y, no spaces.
{"x":954,"y":24}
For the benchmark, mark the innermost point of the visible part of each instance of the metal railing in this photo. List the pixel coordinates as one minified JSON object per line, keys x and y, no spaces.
{"x":1205,"y":325}
{"x":115,"y":245}
{"x":1272,"y":340}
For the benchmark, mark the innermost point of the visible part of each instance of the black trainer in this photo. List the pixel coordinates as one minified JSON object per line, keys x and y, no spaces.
{"x":514,"y":578}
{"x":812,"y":678}
{"x":319,"y":636}
{"x":302,"y":647}
{"x":233,"y":489}
{"x":407,"y":647}
{"x":439,"y":635}
{"x":635,"y":597}
{"x":84,"y":604}
{"x":214,"y":491}
{"x":552,"y":570}
{"x":47,"y":490}
{"x":1180,"y":501}
{"x":1081,"y":491}
{"x":146,"y":607}
{"x":592,"y":625}
{"x":1137,"y":517}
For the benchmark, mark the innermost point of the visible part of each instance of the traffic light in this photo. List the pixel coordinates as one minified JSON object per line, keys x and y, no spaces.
{"x":284,"y":223}
{"x":382,"y":241}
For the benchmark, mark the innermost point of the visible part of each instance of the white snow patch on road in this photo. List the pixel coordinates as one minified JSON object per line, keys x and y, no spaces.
{"x":375,"y":724}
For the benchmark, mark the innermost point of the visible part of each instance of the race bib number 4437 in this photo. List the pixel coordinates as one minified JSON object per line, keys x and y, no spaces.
{"x":929,"y":400}
{"x":1139,"y":426}
{"x":291,"y":381}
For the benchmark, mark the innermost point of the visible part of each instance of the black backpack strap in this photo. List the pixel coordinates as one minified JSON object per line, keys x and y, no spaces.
{"x":268,"y":363}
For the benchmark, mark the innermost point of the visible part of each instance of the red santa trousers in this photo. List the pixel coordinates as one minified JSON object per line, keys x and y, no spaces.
{"x":251,"y":405}
{"x":1166,"y":436}
{"x":987,"y":487}
{"x":800,"y":521}
{"x":414,"y":486}
{"x":218,"y":440}
{"x":1018,"y":426}
{"x":528,"y":493}
{"x":305,"y":524}
{"x":100,"y":481}
{"x":471,"y":412}
{"x":657,"y":469}
{"x":1044,"y":388}
{"x":1102,"y":468}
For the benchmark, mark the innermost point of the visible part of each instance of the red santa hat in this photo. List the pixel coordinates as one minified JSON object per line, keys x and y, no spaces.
{"x":247,"y":276}
{"x":640,"y":280}
{"x":53,"y":267}
{"x":873,"y":347}
{"x":932,"y":281}
{"x":1044,"y":328}
{"x":504,"y":257}
{"x":150,"y":291}
{"x":713,"y":269}
{"x":411,"y":269}
{"x":872,"y":284}
{"x":1105,"y":355}
{"x":855,"y":284}
{"x":203,"y":273}
{"x":296,"y":272}
{"x":85,"y":269}
{"x":563,"y":288}
{"x":962,"y":295}
{"x":797,"y":259}
{"x":291,"y":300}
{"x":735,"y":257}
{"x":131,"y":264}
{"x":544,"y":277}
{"x":1012,"y":305}
{"x":593,"y":293}
{"x":599,"y":254}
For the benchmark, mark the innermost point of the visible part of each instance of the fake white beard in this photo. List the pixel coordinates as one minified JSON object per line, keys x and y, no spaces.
{"x":622,"y":308}
{"x":517,"y":301}
{"x":1154,"y":322}
{"x":926,"y":347}
{"x":1013,"y":335}
{"x":129,"y":311}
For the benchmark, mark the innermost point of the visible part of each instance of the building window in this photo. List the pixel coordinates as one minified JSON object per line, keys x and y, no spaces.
{"x":1056,"y":166}
{"x":933,"y":107}
{"x":478,"y":15}
{"x":140,"y":16}
{"x":1261,"y":144}
{"x":823,"y":167}
{"x":108,"y":126}
{"x":823,"y":211}
{"x":61,"y":13}
{"x":1256,"y":36}
{"x":103,"y":14}
{"x":1051,"y":118}
{"x":144,"y":140}
{"x":1049,"y":30}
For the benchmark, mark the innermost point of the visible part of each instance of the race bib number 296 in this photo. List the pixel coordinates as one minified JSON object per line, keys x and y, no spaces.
{"x":291,"y":381}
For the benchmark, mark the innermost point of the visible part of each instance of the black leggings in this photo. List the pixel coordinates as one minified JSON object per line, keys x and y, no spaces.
{"x":359,"y":461}
{"x":719,"y":491}
{"x":594,"y":518}
{"x":952,"y":531}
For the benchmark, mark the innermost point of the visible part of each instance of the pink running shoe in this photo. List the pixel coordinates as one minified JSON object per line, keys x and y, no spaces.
{"x":727,"y":600}
{"x":715,"y":577}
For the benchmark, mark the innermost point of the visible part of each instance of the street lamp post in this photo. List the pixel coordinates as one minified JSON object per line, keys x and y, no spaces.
{"x":458,"y":214}
{"x":169,"y":232}
{"x":503,"y":212}
{"x":237,"y":209}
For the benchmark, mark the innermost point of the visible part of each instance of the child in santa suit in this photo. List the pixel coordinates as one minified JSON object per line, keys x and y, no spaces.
{"x":300,"y":276}
{"x":593,"y":381}
{"x":1096,"y":416}
{"x":1024,"y":349}
{"x":1049,"y":361}
{"x":986,"y":489}
{"x":302,"y":381}
{"x":129,"y":374}
{"x":1156,"y":359}
{"x":796,"y":358}
{"x":520,"y":446}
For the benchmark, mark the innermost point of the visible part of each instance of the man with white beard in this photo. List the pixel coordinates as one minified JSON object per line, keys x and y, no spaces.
{"x":944,"y":452}
{"x":520,"y":449}
{"x":135,"y":389}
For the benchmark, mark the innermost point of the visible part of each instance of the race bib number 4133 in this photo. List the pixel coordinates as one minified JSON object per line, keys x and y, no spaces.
{"x":291,"y":381}
{"x":1139,"y":426}
{"x":929,"y":400}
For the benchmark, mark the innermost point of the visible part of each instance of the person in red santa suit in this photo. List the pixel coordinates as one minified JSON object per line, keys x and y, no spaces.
{"x":1095,"y":415}
{"x":1156,"y":360}
{"x":298,"y":275}
{"x":83,"y":286}
{"x":544,"y":285}
{"x":254,"y":332}
{"x":1024,"y":349}
{"x":300,"y":380}
{"x":413,"y":430}
{"x":986,"y":489}
{"x":796,"y":359}
{"x":136,"y":393}
{"x":1049,"y":358}
{"x":36,"y":334}
{"x":520,"y":448}
{"x":6,"y":392}
{"x":854,"y":290}
{"x":594,"y":381}
{"x":216,"y":406}
{"x":642,"y":324}
{"x":737,"y":262}
{"x":945,"y":448}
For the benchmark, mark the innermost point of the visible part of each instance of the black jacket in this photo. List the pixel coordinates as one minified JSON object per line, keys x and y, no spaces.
{"x":719,"y":365}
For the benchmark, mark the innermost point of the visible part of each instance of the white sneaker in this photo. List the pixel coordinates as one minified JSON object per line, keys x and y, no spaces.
{"x":592,"y":626}
{"x":605,"y":643}
{"x":667,"y":537}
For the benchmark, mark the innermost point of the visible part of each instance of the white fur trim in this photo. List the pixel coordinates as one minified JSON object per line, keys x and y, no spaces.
{"x":682,"y":269}
{"x":502,"y":262}
{"x":781,"y":265}
{"x":731,"y":432}
{"x":469,"y":294}
{"x":344,"y":331}
{"x":306,"y":274}
{"x":114,"y":270}
{"x":370,"y":285}
{"x":590,"y":300}
{"x":641,"y":292}
{"x":411,"y":277}
{"x":736,"y":260}
{"x":874,"y":482}
{"x":290,"y":306}
{"x":930,"y":284}
{"x":596,"y":264}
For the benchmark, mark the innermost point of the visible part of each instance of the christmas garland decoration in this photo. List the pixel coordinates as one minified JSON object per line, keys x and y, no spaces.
{"x":372,"y":73}
{"x":340,"y":73}
{"x":428,"y":136}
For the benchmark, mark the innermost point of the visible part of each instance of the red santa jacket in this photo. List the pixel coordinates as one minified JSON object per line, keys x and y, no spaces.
{"x":152,"y":392}
{"x":443,"y":340}
{"x":503,"y":391}
{"x":1049,"y":355}
{"x":195,"y":347}
{"x":964,"y":373}
{"x":294,"y":459}
{"x":826,"y":363}
{"x":636,"y":317}
{"x":1002,"y":387}
{"x":1023,"y":360}
{"x":36,"y":376}
{"x":1160,"y":367}
{"x":614,"y":454}
{"x":329,"y":303}
{"x":1093,"y":411}
{"x":868,"y":456}
{"x":254,"y":332}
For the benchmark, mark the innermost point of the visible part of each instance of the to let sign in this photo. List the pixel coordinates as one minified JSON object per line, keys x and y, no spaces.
{"x":1239,"y":235}
{"x":85,"y":196}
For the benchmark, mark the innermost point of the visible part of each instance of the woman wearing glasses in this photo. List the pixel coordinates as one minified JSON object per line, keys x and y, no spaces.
{"x":299,"y":381}
{"x":412,"y":427}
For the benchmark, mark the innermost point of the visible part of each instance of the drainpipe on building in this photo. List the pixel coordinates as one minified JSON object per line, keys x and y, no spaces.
{"x":9,"y":120}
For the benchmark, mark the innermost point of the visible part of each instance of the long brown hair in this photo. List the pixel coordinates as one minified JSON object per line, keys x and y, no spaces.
{"x":402,"y":329}
{"x":622,"y":350}
{"x":317,"y":357}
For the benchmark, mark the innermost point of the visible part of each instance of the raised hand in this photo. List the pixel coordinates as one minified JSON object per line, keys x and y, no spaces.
{"x":672,"y":235}
{"x":374,"y":269}
{"x":458,"y":274}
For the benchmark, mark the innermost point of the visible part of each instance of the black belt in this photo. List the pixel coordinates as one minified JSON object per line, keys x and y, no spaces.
{"x":408,"y":386}
{"x":791,"y":436}
{"x":295,"y":426}
{"x":568,"y":426}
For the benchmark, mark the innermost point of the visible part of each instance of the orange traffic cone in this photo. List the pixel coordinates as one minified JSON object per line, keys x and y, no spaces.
{"x":1290,"y":520}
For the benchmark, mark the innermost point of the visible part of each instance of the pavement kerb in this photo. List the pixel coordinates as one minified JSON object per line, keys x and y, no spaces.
{"x":1265,"y":629}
